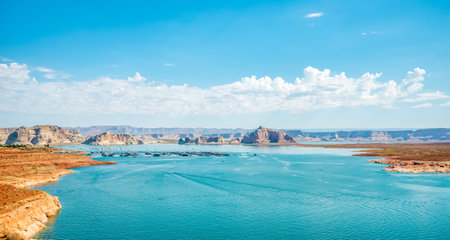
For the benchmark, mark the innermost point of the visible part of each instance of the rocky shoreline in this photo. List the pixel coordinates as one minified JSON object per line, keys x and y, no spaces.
{"x":29,"y":217}
{"x":413,"y":166}
{"x":403,"y":157}
{"x":24,"y":212}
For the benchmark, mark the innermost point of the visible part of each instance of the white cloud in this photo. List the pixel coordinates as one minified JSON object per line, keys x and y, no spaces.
{"x":44,"y":69}
{"x":413,"y":81}
{"x":51,"y":73}
{"x":14,"y":74}
{"x":50,"y":76}
{"x":137,"y":78}
{"x":367,"y":33}
{"x":423,"y":105}
{"x":427,"y":97}
{"x":316,"y":90}
{"x":314,"y":15}
{"x":446,"y":104}
{"x":5,"y":59}
{"x":169,"y":65}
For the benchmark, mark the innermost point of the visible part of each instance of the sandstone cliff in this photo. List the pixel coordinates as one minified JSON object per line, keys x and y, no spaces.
{"x":264,"y":135}
{"x":29,"y":217}
{"x":4,"y":134}
{"x":261,"y":135}
{"x":23,"y":212}
{"x":112,"y":139}
{"x":41,"y":134}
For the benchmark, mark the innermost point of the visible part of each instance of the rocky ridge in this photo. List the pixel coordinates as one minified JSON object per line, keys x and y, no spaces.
{"x":40,"y":135}
{"x":264,"y":135}
{"x":108,"y":138}
{"x":261,"y":135}
{"x":4,"y":134}
{"x":420,"y":135}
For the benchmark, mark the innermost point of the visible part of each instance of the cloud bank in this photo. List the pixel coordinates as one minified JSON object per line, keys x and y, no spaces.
{"x":19,"y":91}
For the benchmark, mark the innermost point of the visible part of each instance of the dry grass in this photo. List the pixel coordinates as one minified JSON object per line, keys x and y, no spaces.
{"x":12,"y":196}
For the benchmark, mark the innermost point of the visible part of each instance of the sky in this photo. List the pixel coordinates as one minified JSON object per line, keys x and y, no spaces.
{"x":225,"y":64}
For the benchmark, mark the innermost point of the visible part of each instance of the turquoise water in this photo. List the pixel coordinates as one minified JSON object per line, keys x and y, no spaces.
{"x":280,"y":193}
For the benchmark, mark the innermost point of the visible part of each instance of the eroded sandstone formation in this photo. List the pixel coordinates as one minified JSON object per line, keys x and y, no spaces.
{"x":40,"y":135}
{"x":261,"y":135}
{"x":29,"y":217}
{"x":23,"y":211}
{"x":4,"y":134}
{"x":264,"y":135}
{"x":112,"y":139}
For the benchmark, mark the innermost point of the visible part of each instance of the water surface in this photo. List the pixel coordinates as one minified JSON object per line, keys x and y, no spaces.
{"x":260,"y":192}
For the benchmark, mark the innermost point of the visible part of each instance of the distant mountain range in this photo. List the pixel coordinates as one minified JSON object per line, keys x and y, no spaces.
{"x":47,"y":134}
{"x":162,"y":133}
{"x":430,"y":134}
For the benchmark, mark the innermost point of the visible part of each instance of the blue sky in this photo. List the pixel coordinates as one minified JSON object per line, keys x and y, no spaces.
{"x":190,"y":63}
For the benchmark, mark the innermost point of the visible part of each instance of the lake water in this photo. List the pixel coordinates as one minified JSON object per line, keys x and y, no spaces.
{"x":258,"y":192}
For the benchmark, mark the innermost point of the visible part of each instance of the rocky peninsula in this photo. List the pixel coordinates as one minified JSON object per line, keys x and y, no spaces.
{"x":23,"y":212}
{"x":403,"y":157}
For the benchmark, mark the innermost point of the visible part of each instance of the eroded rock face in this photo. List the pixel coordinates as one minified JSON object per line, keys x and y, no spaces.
{"x":4,"y":134}
{"x":28,"y":219}
{"x":112,"y":139}
{"x":261,"y":135}
{"x":43,"y":134}
{"x":267,"y":135}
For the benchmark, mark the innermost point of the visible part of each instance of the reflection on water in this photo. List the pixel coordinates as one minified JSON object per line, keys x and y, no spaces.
{"x":257,"y":192}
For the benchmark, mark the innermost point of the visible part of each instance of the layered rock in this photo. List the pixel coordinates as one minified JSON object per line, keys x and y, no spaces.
{"x":414,"y":166}
{"x":421,"y":135}
{"x":23,"y":212}
{"x":261,"y":135}
{"x":24,"y":221}
{"x":42,"y":134}
{"x":112,"y":139}
{"x":4,"y":134}
{"x":264,"y":135}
